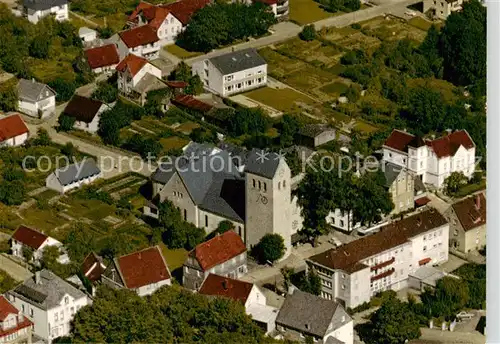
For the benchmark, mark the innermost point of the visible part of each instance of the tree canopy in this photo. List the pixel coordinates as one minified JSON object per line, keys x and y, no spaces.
{"x":270,"y":248}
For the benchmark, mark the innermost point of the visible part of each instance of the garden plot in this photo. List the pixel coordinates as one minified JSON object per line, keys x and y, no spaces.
{"x":354,"y":40}
{"x":392,"y":29}
{"x":315,"y":52}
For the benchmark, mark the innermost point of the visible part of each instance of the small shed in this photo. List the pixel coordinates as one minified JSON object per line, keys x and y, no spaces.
{"x":314,"y":135}
{"x":87,"y":35}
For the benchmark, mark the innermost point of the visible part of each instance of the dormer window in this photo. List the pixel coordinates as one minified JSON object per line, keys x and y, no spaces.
{"x":66,"y":300}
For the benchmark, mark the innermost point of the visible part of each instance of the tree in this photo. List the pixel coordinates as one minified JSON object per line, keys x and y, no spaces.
{"x":64,"y":89}
{"x":11,"y":173}
{"x":448,"y":297}
{"x":248,"y":121}
{"x":8,"y":97}
{"x":289,"y":130}
{"x":39,"y":47}
{"x":69,"y":150}
{"x":27,"y":253}
{"x":287,"y":274}
{"x":308,"y":33}
{"x":270,"y":248}
{"x":454,"y":182}
{"x":12,"y":193}
{"x":195,"y":85}
{"x":42,"y":138}
{"x":202,"y":135}
{"x":66,"y":122}
{"x":426,"y":110}
{"x":79,"y":242}
{"x":184,"y":73}
{"x":178,"y":233}
{"x":311,"y":283}
{"x":394,"y":323}
{"x":105,"y":92}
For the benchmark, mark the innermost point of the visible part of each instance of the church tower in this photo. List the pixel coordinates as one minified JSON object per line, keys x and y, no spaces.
{"x":267,"y":198}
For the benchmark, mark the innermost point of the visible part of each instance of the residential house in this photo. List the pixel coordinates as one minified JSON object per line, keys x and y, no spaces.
{"x":131,"y":70}
{"x":35,"y":10}
{"x":213,"y":185}
{"x":73,"y":176}
{"x":92,"y":268}
{"x":25,"y":238}
{"x":401,"y":185}
{"x":142,"y":41}
{"x":14,"y":326}
{"x":13,"y":131}
{"x":467,"y":219}
{"x":224,"y":255}
{"x":280,"y":8}
{"x":49,"y":302}
{"x":86,"y":112}
{"x":168,"y":19}
{"x":231,"y":73}
{"x":87,"y":35}
{"x":431,"y":160}
{"x":314,"y":135}
{"x":36,"y":99}
{"x":354,"y":272}
{"x":441,"y":9}
{"x":103,"y":59}
{"x":306,"y":315}
{"x":248,"y":294}
{"x":144,"y":272}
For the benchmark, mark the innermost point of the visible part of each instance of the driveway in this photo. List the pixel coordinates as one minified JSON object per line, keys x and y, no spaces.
{"x":16,"y":271}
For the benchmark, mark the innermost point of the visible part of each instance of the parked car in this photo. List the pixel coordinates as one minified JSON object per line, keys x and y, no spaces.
{"x":464,"y":315}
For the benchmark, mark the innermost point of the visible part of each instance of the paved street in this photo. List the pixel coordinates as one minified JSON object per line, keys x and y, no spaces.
{"x":16,"y":271}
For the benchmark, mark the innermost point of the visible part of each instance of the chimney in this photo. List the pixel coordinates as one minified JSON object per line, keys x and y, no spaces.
{"x":38,"y":278}
{"x":478,"y":201}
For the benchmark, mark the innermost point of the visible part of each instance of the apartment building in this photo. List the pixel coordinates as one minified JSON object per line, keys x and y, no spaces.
{"x":355,"y":272}
{"x":231,"y":73}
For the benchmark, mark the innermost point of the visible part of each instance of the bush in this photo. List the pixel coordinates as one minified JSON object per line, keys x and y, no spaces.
{"x":106,"y":93}
{"x":64,"y":89}
{"x":356,"y":26}
{"x":308,"y":33}
{"x":66,"y":122}
{"x":269,"y":249}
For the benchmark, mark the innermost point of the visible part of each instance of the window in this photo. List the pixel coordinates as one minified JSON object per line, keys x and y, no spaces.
{"x":341,"y":223}
{"x":72,"y":310}
{"x":56,"y":316}
{"x":253,"y":182}
{"x":284,"y":184}
{"x":62,"y":315}
{"x":425,"y":248}
{"x":66,"y":300}
{"x":31,"y":312}
{"x":259,"y":185}
{"x":239,"y":85}
{"x":265,"y":187}
{"x":279,"y":185}
{"x":206,"y":220}
{"x":239,"y":230}
{"x":259,"y":80}
{"x":185,"y":215}
{"x":229,"y":77}
{"x":22,"y":307}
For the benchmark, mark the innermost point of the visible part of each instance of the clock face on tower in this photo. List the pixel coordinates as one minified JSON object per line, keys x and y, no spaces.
{"x":262,"y":199}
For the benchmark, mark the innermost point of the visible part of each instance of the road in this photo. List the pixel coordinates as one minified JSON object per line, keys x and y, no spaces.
{"x":286,"y":30}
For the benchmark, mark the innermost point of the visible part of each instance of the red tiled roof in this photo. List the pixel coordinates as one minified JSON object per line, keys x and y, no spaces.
{"x":190,"y":102}
{"x":424,"y":261}
{"x":471,"y":211}
{"x":138,"y":36}
{"x":449,"y":144}
{"x":218,"y":250}
{"x":216,"y":285}
{"x":6,"y":308}
{"x":142,"y":6}
{"x":107,"y":55}
{"x":399,"y":140}
{"x":348,"y":257}
{"x":143,"y":268}
{"x":422,"y":201}
{"x":132,"y":63}
{"x":24,"y":323}
{"x":12,"y":126}
{"x":184,"y":9}
{"x":92,"y":267}
{"x":176,"y":84}
{"x":29,"y":237}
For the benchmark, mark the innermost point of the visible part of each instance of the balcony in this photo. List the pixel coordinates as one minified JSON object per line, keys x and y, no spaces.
{"x":382,"y":275}
{"x":383,"y":264}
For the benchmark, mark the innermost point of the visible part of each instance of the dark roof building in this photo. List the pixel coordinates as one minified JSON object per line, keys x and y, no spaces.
{"x":33,"y":91}
{"x":29,"y":237}
{"x":93,"y":267}
{"x":262,"y":163}
{"x":83,"y":109}
{"x":237,"y":61}
{"x":40,"y":5}
{"x":76,"y":172}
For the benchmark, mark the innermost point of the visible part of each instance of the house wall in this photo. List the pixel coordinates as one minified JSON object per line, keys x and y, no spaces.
{"x":151,"y":288}
{"x":475,"y":239}
{"x":53,"y":183}
{"x":169,"y":30}
{"x":15,"y":141}
{"x":148,"y":51}
{"x":105,"y":69}
{"x":20,"y":336}
{"x":402,"y":192}
{"x":176,"y":192}
{"x":324,"y":137}
{"x":345,"y":333}
{"x":296,"y":216}
{"x":209,"y":75}
{"x":65,"y":314}
{"x":210,"y":221}
{"x":126,"y":82}
{"x":256,"y":296}
{"x":342,"y":220}
{"x":431,"y":244}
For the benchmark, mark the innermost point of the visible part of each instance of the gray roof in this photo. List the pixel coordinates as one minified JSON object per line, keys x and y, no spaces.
{"x":262,"y":163}
{"x":43,"y":4}
{"x":85,"y":30}
{"x":418,"y":185}
{"x":311,"y":314}
{"x":391,"y":172}
{"x":77,"y":171}
{"x":48,"y":293}
{"x":313,"y":130}
{"x":237,"y":61}
{"x":213,"y":181}
{"x":33,"y":91}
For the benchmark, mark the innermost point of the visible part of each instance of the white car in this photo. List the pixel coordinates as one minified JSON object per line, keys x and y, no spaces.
{"x":410,"y":13}
{"x":465,"y":315}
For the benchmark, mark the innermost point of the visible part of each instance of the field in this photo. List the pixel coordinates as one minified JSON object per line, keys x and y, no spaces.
{"x":180,"y":52}
{"x":285,"y":99}
{"x":307,"y":11}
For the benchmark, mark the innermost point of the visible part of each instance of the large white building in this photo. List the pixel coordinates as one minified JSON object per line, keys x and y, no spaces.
{"x":36,"y":99}
{"x":13,"y":131}
{"x":35,"y":241}
{"x":431,"y":160}
{"x":142,"y":41}
{"x":355,"y":272}
{"x":49,"y":302}
{"x":35,"y":10}
{"x":231,"y":73}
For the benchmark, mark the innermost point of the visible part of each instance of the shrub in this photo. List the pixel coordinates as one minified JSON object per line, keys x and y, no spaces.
{"x":269,"y":249}
{"x":308,"y":33}
{"x":66,"y":122}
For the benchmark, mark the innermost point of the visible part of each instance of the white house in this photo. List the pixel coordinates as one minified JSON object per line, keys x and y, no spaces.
{"x":28,"y":238}
{"x":235,"y":72}
{"x":13,"y":131}
{"x":103,"y":59}
{"x":38,"y":9}
{"x":306,"y":315}
{"x":87,"y":35}
{"x":248,"y":294}
{"x":354,"y":272}
{"x":73,"y":176}
{"x":86,"y":112}
{"x":36,"y":99}
{"x":142,"y":41}
{"x":14,"y":326}
{"x":280,"y":8}
{"x":441,"y":9}
{"x":49,"y":302}
{"x":144,"y":271}
{"x":431,"y":160}
{"x":132,"y":69}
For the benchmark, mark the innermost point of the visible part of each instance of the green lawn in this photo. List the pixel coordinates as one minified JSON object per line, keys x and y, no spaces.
{"x":337,"y":88}
{"x":420,"y":23}
{"x":173,"y":142}
{"x":181,"y":53}
{"x":91,"y":209}
{"x":187,"y":128}
{"x":307,"y":11}
{"x":284,"y":99}
{"x":175,"y":257}
{"x":42,"y":219}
